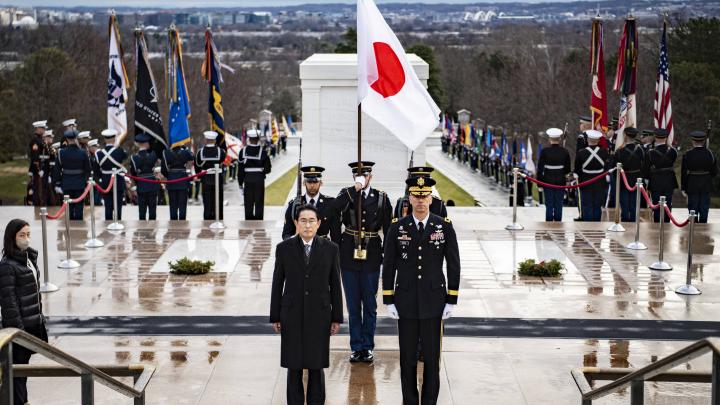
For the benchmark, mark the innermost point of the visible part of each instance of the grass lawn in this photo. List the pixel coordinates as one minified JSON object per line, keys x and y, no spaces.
{"x":13,"y":182}
{"x":451,"y":191}
{"x":277,"y":192}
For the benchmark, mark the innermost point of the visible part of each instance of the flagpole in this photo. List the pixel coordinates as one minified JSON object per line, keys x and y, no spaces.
{"x":360,"y":253}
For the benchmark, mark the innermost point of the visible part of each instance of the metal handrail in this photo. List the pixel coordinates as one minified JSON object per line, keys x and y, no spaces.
{"x":650,"y":371}
{"x":13,"y":335}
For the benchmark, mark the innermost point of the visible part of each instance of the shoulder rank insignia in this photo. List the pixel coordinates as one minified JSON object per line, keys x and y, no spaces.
{"x":394,"y":220}
{"x":448,"y":220}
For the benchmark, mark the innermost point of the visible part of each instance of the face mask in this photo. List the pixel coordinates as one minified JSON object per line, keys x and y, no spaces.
{"x":22,"y":244}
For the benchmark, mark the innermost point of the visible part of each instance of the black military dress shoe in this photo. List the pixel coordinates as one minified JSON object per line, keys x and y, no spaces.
{"x":368,"y":356}
{"x":356,"y":356}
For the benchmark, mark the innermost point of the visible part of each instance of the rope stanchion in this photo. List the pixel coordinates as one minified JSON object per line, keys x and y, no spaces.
{"x":578,"y":185}
{"x":673,"y":220}
{"x":105,"y":190}
{"x":218,"y":223}
{"x":636,"y":244}
{"x":660,"y":264}
{"x":47,"y":286}
{"x":144,"y":180}
{"x":115,"y":225}
{"x":617,"y":227}
{"x":93,"y":242}
{"x":514,"y":226}
{"x":68,"y":263}
{"x":688,"y":288}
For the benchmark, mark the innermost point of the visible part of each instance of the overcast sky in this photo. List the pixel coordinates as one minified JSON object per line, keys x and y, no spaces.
{"x":229,"y":3}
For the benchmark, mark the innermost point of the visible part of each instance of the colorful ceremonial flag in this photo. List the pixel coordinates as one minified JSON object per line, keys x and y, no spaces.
{"x":388,"y":88}
{"x":147,"y":114}
{"x":179,"y":131}
{"x":663,"y":107}
{"x":285,"y":126}
{"x":275,"y":132}
{"x":211,"y":73}
{"x":117,"y":83}
{"x":598,"y":100}
{"x":626,"y":79}
{"x":290,"y":124}
{"x":233,"y":145}
{"x":468,"y":135}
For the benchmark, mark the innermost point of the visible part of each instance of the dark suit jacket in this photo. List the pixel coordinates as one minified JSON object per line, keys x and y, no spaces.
{"x":305,"y":300}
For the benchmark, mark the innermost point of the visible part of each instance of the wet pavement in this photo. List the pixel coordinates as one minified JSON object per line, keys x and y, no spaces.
{"x":603,"y":281}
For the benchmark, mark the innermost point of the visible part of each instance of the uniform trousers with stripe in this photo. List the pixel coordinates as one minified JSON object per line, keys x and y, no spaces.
{"x":430,"y":332}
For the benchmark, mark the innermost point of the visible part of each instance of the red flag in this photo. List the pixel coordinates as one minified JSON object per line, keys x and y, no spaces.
{"x":663,"y":107}
{"x":598,"y":100}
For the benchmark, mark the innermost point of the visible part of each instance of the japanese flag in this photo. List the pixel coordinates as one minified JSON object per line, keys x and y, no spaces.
{"x":388,"y":88}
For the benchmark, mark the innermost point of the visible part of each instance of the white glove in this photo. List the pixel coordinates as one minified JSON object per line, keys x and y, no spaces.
{"x":447,"y":312}
{"x":58,"y":190}
{"x":41,"y":173}
{"x":360,"y":180}
{"x":30,"y":174}
{"x":392,"y":311}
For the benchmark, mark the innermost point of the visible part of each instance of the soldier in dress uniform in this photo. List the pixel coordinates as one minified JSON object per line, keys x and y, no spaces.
{"x":329,"y":221}
{"x":585,"y":125}
{"x":660,"y":169}
{"x":175,"y":166}
{"x":35,"y":153}
{"x":83,"y":139}
{"x":142,"y":164}
{"x":553,"y":167}
{"x":47,"y":164}
{"x":109,"y":158}
{"x":93,"y":146}
{"x":589,"y":163}
{"x":632,"y":157}
{"x":254,"y":164}
{"x":67,"y":125}
{"x":72,"y":169}
{"x":698,"y":170}
{"x":416,"y":291}
{"x":361,"y":256}
{"x":403,"y":207}
{"x":206,"y":159}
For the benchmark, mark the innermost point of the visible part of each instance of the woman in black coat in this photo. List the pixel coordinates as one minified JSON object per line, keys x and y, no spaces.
{"x":20,"y":303}
{"x":306,"y":305}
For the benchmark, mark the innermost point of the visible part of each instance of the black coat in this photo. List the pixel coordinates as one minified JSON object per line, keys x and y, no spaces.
{"x":660,"y":169}
{"x":72,"y":168}
{"x":632,"y":157}
{"x":699,"y":168}
{"x":554,"y":165}
{"x":306,"y":299}
{"x":20,"y":303}
{"x":412,"y":275}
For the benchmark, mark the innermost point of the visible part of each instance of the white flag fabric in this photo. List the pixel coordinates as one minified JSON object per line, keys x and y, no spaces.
{"x":388,"y":88}
{"x":233,"y":145}
{"x":117,"y":85}
{"x":529,"y":164}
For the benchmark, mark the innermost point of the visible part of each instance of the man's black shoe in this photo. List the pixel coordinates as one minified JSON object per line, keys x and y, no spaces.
{"x":368,"y":356}
{"x":357,"y":356}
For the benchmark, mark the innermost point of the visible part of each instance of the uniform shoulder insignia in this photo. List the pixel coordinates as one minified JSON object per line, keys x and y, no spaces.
{"x":448,"y":220}
{"x":394,"y":220}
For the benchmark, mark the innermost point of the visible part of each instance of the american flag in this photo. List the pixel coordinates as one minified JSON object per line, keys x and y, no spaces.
{"x":663,"y":107}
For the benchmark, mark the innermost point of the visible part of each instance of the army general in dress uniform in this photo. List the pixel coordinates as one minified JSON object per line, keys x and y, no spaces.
{"x":697,"y":173}
{"x":109,"y":158}
{"x":72,"y":170}
{"x":254,"y":164}
{"x":403,"y":207}
{"x":329,"y":221}
{"x":416,"y":291}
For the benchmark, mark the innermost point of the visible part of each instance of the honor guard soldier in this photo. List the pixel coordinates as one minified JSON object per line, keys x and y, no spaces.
{"x":660,"y":169}
{"x":67,"y":125}
{"x":175,"y":166}
{"x":206,"y":159}
{"x":585,"y":125}
{"x":93,"y":147}
{"x":553,"y":168}
{"x":416,"y":291}
{"x":329,"y":221}
{"x":361,"y":256}
{"x":109,"y":158}
{"x":589,"y":163}
{"x":47,"y":164}
{"x":142,"y":164}
{"x":254,"y":164}
{"x":83,"y":139}
{"x":35,"y":153}
{"x":698,"y":170}
{"x":632,"y":157}
{"x":403,"y":207}
{"x":72,"y":170}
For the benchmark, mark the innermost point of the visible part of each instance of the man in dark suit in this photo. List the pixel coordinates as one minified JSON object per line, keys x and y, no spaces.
{"x":415,"y":289}
{"x":306,"y":306}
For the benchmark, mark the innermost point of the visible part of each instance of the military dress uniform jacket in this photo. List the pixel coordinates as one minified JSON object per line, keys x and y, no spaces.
{"x":412,"y":275}
{"x":660,"y":168}
{"x":143,"y":165}
{"x":437,"y":207}
{"x":35,"y":151}
{"x":329,"y":220}
{"x":376,"y":217}
{"x":110,"y":158}
{"x":591,"y":162}
{"x":72,"y":168}
{"x":697,"y":171}
{"x":206,"y":158}
{"x":632,"y":157}
{"x":174,"y":168}
{"x":554,"y":165}
{"x":253,"y":164}
{"x":305,"y":299}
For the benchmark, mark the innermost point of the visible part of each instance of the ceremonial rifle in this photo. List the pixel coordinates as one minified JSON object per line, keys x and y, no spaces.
{"x":298,"y":195}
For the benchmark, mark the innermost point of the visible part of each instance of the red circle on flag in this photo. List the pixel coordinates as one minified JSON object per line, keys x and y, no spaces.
{"x":391,"y":75}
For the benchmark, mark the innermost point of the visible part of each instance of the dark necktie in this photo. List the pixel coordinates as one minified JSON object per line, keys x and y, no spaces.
{"x":307,"y":254}
{"x":312,"y":202}
{"x":421,"y":227}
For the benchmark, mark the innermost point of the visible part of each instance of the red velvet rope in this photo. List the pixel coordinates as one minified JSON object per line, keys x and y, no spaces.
{"x":673,"y":220}
{"x":58,"y":214}
{"x":627,"y":185}
{"x":583,"y":184}
{"x":202,"y":173}
{"x":109,"y":187}
{"x":82,"y":197}
{"x":648,"y":200}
